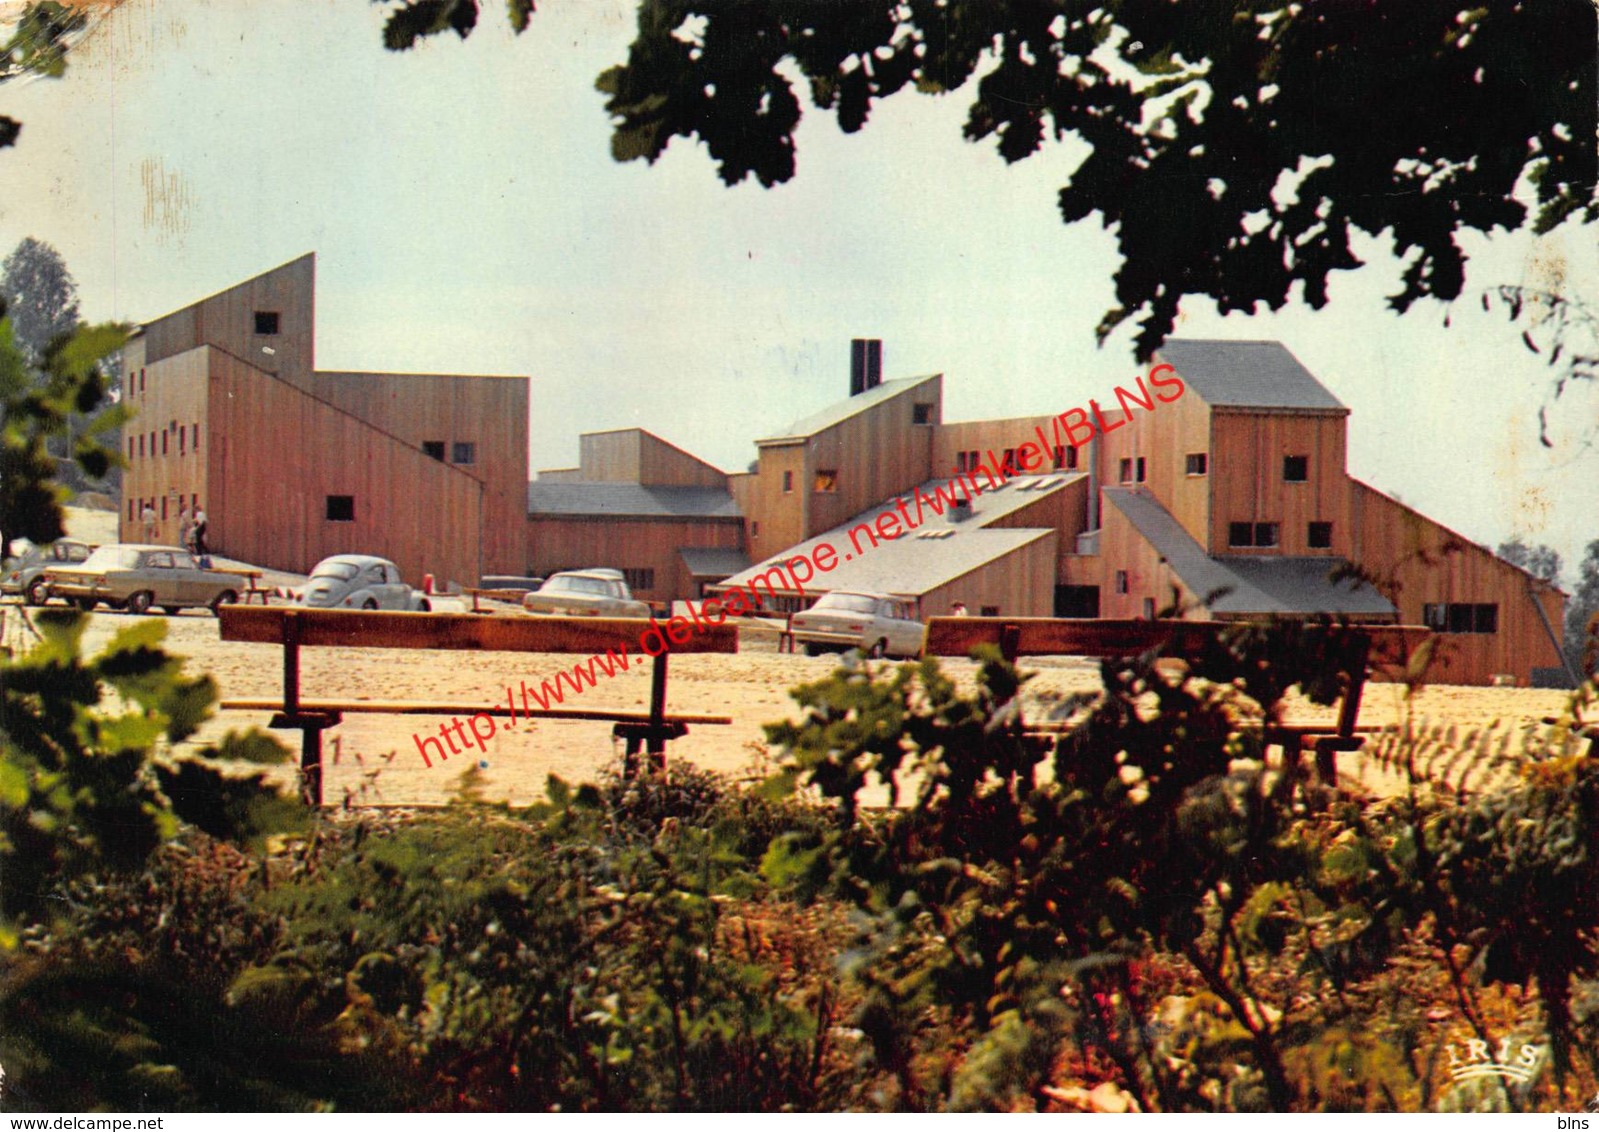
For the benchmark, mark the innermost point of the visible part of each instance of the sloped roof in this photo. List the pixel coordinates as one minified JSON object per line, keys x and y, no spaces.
{"x":1264,"y":584}
{"x":713,"y":561}
{"x":916,"y":565}
{"x":629,"y":500}
{"x":841,"y":411}
{"x":1252,"y":374}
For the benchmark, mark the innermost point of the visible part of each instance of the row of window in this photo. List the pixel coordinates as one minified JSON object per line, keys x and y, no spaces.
{"x":136,"y":506}
{"x":1063,"y":458}
{"x":1461,"y":617}
{"x":187,"y":436}
{"x":461,"y":451}
{"x":1296,"y":469}
{"x":1318,"y":535}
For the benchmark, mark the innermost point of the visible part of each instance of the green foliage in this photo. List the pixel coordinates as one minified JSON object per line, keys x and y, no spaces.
{"x":38,"y":46}
{"x":40,"y":296}
{"x":1028,"y":894}
{"x":91,"y":785}
{"x":1236,"y":149}
{"x":37,"y":406}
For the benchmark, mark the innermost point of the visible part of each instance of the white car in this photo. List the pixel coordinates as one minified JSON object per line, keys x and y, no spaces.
{"x":359,"y":581}
{"x":586,"y":593}
{"x":877,"y":624}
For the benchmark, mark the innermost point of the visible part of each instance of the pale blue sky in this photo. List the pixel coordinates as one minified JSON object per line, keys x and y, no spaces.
{"x":468,"y":218}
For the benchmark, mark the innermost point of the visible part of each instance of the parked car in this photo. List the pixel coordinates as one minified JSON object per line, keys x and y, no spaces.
{"x":359,"y":581}
{"x":877,"y":624}
{"x":137,"y":576}
{"x":24,"y":574}
{"x":586,"y":593}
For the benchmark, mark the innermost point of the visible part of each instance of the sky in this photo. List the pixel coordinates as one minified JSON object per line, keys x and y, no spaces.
{"x":468,"y":218}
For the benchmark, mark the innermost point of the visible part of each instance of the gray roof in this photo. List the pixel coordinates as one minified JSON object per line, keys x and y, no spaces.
{"x":1247,"y":374}
{"x":1264,"y":584}
{"x":713,"y":561}
{"x":841,"y":411}
{"x":913,"y":564}
{"x":629,"y":500}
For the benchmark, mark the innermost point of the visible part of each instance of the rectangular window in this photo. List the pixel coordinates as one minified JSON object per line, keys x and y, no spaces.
{"x":197,"y":436}
{"x":1240,"y":534}
{"x":1435,"y":616}
{"x":922,"y":412}
{"x":141,"y":444}
{"x":826,"y":479}
{"x":788,"y":482}
{"x":1487,"y":619}
{"x":1198,"y":463}
{"x":141,"y":381}
{"x":183,"y":436}
{"x":341,"y":508}
{"x":266,"y":322}
{"x":972,"y":460}
{"x":1320,"y":536}
{"x":163,"y":508}
{"x":960,"y":463}
{"x":1462,"y":617}
{"x":1125,"y":471}
{"x":163,"y":442}
{"x":639,"y":579}
{"x":130,"y":510}
{"x":130,"y":447}
{"x":988,"y":611}
{"x":1121,"y":581}
{"x":1141,"y":470}
{"x":434,"y":448}
{"x":1296,"y":469}
{"x":1265,"y":534}
{"x":1149,"y":609}
{"x":463,"y":452}
{"x":1007,"y":462}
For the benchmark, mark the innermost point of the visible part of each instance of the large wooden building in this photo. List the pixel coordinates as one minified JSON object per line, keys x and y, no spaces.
{"x":292,"y":465}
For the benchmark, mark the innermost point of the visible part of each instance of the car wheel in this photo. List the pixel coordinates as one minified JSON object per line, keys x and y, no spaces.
{"x":369,"y":604}
{"x":140,"y":602}
{"x":86,"y":604}
{"x":813,"y":649}
{"x":424,"y":606}
{"x":38,"y":592}
{"x":226,"y":597}
{"x":171,"y":610}
{"x":879,"y":650}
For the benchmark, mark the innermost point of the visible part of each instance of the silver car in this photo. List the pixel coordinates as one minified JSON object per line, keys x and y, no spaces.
{"x":877,"y":624}
{"x":24,"y":574}
{"x":135,"y":576}
{"x":359,"y":581}
{"x":586,"y":593}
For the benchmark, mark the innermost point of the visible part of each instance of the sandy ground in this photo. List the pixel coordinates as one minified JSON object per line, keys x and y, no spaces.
{"x":374,"y":758}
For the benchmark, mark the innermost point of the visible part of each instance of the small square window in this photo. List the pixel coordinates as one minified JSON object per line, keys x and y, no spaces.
{"x":973,"y":458}
{"x":826,"y":479}
{"x":922,"y":412}
{"x":1121,"y":581}
{"x":960,"y":463}
{"x":1198,"y":463}
{"x":1435,"y":615}
{"x":434,"y":448}
{"x":788,"y":482}
{"x":1141,"y":470}
{"x":1462,"y":617}
{"x":988,"y":611}
{"x":1149,"y":609}
{"x":1486,"y":619}
{"x":1125,"y":471}
{"x":463,"y":452}
{"x":1296,"y":469}
{"x":341,"y":508}
{"x":1240,"y":534}
{"x":1265,"y":534}
{"x":266,"y":322}
{"x":1320,"y":536}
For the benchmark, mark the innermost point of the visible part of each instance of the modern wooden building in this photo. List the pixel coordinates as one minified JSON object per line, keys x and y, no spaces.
{"x":1232,"y":500}
{"x":292,"y":465}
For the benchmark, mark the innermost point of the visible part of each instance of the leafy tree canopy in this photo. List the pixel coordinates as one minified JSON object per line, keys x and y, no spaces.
{"x":1539,"y":560}
{"x":38,"y":46}
{"x":40,"y":296}
{"x":1237,"y":146}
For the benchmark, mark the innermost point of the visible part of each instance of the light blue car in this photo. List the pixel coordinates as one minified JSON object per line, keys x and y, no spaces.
{"x":359,"y":581}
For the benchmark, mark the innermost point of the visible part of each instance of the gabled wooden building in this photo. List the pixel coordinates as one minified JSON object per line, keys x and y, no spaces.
{"x":292,"y":465}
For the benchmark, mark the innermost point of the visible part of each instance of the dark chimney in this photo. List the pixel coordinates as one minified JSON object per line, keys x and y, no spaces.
{"x":865,"y":364}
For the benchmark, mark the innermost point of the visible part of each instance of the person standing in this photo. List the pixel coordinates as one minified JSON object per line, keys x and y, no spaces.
{"x":185,"y":529}
{"x":148,"y":515}
{"x":200,"y":525}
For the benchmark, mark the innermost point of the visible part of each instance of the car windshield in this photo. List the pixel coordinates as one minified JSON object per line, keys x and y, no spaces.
{"x":112,"y":558}
{"x":850,"y":603}
{"x":571,"y":584}
{"x":338,"y":571}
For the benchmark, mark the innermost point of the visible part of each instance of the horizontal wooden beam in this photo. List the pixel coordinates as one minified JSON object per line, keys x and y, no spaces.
{"x":351,"y":628}
{"x":406,"y":707}
{"x":1058,"y":636}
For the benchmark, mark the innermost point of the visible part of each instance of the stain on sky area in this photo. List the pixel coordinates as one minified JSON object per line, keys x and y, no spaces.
{"x":168,"y":200}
